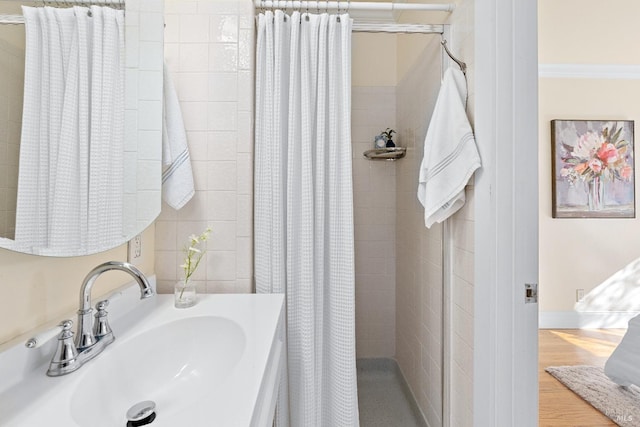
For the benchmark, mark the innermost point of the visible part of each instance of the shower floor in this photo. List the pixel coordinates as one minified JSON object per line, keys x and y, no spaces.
{"x":382,"y":399}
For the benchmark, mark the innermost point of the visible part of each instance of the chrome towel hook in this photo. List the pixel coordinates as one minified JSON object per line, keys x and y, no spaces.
{"x":461,"y":64}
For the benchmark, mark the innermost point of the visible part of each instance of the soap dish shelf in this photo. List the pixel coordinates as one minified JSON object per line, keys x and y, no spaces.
{"x":389,"y":153}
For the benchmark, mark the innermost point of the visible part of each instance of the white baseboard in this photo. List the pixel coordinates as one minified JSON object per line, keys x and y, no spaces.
{"x":584,"y":320}
{"x":589,"y":71}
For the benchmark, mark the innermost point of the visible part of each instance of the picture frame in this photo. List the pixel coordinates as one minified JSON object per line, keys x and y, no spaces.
{"x":593,"y":172}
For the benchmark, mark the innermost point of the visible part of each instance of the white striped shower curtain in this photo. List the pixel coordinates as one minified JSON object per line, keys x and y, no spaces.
{"x":304,"y":245}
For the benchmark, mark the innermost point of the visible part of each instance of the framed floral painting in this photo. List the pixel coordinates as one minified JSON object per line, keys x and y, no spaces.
{"x":593,"y":169}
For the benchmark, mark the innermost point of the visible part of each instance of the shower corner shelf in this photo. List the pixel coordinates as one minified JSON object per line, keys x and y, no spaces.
{"x":389,"y":154}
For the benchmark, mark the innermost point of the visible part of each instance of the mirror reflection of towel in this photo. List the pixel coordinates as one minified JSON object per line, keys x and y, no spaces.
{"x":450,"y":153}
{"x":177,"y":176}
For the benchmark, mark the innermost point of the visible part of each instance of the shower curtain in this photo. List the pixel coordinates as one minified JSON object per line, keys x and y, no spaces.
{"x":304,"y":244}
{"x":71,"y":176}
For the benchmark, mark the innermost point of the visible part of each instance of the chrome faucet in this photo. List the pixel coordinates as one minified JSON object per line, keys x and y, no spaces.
{"x":92,"y":335}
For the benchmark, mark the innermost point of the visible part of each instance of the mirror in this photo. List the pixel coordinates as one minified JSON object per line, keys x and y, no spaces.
{"x":141,"y":192}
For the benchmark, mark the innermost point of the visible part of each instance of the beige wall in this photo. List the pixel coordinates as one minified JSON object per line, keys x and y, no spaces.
{"x":373,"y":61}
{"x":582,"y":253}
{"x":11,"y":94}
{"x":40,"y":290}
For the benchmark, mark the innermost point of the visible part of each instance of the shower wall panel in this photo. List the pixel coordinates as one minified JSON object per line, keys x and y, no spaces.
{"x":419,"y":250}
{"x":374,"y":185}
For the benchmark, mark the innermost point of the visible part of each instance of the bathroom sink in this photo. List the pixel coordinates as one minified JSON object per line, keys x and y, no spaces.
{"x":216,"y":363}
{"x":173,"y":365}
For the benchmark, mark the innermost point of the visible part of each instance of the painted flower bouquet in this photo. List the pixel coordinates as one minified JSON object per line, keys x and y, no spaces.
{"x":594,"y":158}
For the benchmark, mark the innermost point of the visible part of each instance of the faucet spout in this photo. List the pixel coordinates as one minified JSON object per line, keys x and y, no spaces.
{"x":85,"y":337}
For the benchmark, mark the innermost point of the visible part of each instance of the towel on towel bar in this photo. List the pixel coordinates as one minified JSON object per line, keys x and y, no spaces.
{"x":177,"y":176}
{"x":450,"y":153}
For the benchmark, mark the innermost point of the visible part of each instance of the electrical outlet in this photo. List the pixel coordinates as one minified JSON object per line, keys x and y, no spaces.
{"x":135,"y":249}
{"x":579,"y":295}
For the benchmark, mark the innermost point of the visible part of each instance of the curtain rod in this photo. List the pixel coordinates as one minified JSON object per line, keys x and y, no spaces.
{"x":11,"y":19}
{"x":352,"y":5}
{"x":386,"y":27}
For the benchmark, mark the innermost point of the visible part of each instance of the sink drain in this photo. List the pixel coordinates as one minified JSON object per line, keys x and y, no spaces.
{"x":141,"y":414}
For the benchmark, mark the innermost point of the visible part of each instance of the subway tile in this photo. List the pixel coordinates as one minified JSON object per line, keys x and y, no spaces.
{"x":245,"y":90}
{"x":194,"y":28}
{"x":221,"y":265}
{"x":194,"y":115}
{"x":220,"y":7}
{"x":198,"y":145}
{"x":222,"y":116}
{"x":150,"y":115}
{"x":151,"y":55}
{"x":149,"y":145}
{"x":151,"y":27}
{"x":200,"y":171}
{"x":194,"y":57}
{"x":245,"y":49}
{"x":150,"y":85}
{"x":222,"y":175}
{"x":224,"y":28}
{"x":223,"y":87}
{"x":244,"y":216}
{"x":223,"y":57}
{"x":165,"y":235}
{"x":244,"y":183}
{"x":171,"y":29}
{"x":193,"y":86}
{"x":221,"y":145}
{"x":223,"y":236}
{"x":222,"y":205}
{"x":244,"y":258}
{"x":194,"y":210}
{"x":166,"y":266}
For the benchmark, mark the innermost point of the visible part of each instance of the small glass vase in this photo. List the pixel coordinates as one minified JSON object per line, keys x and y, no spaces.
{"x":184,"y":294}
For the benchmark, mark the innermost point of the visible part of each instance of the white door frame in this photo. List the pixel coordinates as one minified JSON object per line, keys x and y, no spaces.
{"x":505,"y":379}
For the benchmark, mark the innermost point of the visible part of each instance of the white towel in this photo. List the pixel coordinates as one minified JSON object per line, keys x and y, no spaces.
{"x":177,"y":176}
{"x":450,"y":153}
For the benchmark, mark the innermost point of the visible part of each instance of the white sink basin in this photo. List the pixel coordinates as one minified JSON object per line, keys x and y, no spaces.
{"x":173,"y":365}
{"x":214,"y":364}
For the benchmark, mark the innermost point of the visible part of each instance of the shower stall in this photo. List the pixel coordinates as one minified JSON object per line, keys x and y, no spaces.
{"x":413,"y":285}
{"x":400,"y":264}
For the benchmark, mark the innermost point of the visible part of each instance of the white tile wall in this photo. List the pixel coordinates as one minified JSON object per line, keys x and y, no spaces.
{"x":11,"y":88}
{"x":462,"y":229}
{"x":419,"y":267}
{"x":211,"y":66}
{"x":374,"y":183}
{"x":418,"y":249}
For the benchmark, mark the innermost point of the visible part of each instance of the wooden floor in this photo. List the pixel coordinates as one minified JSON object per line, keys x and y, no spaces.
{"x":559,"y":406}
